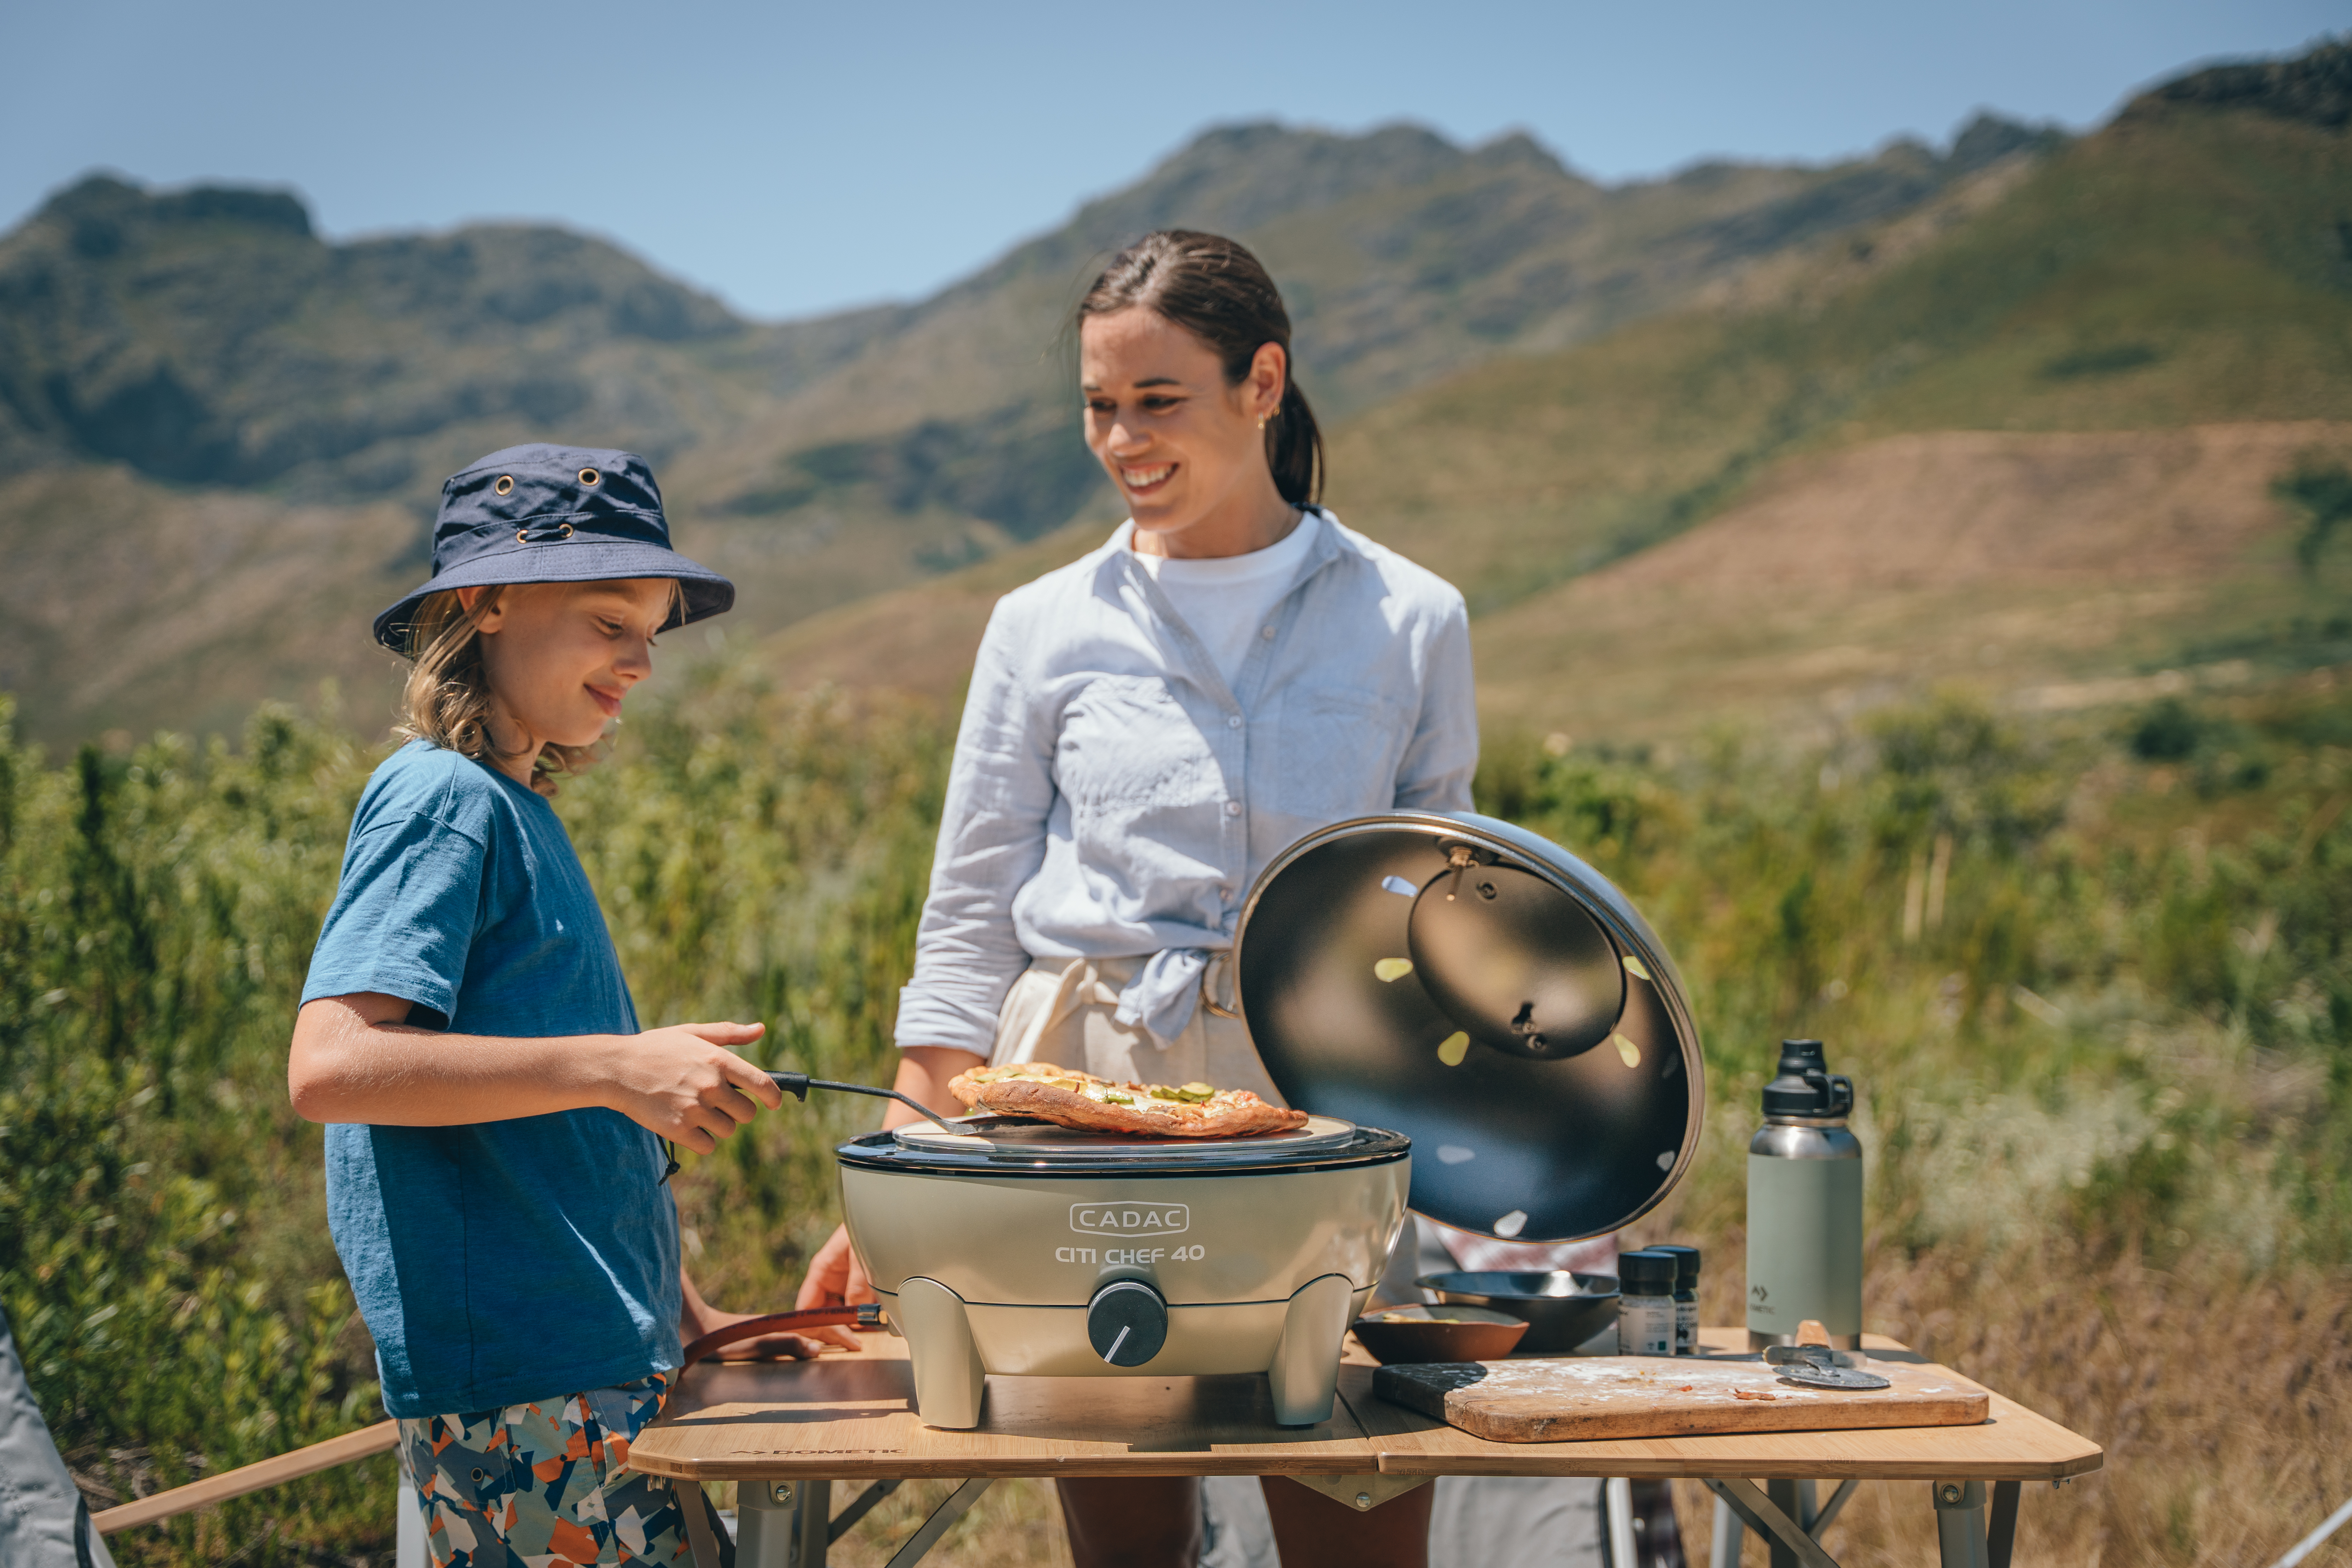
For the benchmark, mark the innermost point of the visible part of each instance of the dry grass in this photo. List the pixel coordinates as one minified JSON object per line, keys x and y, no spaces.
{"x":2221,"y":1399}
{"x":1016,"y":1524}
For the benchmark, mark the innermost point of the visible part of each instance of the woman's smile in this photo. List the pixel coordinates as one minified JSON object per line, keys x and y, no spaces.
{"x":1145,"y":481}
{"x":610,"y":702}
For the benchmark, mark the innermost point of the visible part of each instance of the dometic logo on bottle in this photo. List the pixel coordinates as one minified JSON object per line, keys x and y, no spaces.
{"x":1130,"y":1219}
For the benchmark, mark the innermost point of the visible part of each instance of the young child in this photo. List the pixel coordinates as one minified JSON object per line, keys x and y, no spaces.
{"x":495,"y":1117}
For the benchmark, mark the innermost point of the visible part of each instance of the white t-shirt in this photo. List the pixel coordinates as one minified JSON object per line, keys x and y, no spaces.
{"x":1225,"y":600}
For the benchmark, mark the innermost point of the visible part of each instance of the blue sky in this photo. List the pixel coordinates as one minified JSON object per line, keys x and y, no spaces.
{"x":796,"y":159}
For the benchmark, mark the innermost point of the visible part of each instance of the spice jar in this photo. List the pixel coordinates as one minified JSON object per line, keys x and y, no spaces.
{"x":1645,"y":1302}
{"x":1685,"y":1296}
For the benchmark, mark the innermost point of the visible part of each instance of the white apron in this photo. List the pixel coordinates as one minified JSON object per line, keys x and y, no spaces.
{"x":1064,"y":1011}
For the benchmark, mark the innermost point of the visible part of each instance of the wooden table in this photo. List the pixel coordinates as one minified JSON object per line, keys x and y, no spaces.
{"x":790,"y":1429}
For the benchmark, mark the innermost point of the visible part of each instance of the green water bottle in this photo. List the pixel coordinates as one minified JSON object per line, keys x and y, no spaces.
{"x":1804,"y":1206}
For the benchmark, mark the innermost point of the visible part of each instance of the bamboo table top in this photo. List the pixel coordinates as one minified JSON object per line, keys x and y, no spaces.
{"x":847,"y":1418}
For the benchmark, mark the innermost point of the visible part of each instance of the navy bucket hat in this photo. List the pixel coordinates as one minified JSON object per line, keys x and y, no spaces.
{"x":555,"y":514}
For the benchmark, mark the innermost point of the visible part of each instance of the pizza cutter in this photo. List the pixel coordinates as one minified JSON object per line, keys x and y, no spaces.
{"x":1819,"y":1366}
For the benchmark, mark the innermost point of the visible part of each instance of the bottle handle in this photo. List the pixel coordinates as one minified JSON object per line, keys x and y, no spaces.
{"x":1841,"y":1094}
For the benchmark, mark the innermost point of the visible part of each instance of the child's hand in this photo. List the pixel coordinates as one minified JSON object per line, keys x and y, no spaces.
{"x":835,"y":1280}
{"x":686,"y":1084}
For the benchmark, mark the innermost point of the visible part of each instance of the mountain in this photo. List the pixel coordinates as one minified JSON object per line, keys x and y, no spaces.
{"x":172,"y":360}
{"x":2037,"y":414}
{"x":210,"y":337}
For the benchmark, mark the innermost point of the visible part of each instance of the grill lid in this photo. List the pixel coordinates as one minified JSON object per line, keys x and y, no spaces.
{"x":1492,"y":997}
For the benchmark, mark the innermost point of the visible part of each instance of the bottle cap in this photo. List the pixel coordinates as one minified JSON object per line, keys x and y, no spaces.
{"x":1806,"y":1087}
{"x":1685,"y":1257}
{"x":1647,"y":1273}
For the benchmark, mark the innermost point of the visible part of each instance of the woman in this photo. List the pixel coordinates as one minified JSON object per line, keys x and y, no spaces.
{"x":1147,"y":728}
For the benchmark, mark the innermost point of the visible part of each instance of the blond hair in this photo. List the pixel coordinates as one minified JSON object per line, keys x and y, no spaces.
{"x":447,"y":698}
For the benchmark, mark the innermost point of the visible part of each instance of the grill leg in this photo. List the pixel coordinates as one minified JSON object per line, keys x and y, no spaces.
{"x":1305,"y":1376}
{"x":949,"y":1376}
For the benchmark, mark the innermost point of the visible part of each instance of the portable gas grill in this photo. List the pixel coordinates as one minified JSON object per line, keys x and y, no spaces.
{"x":1485,"y":995}
{"x":1012,"y":1246}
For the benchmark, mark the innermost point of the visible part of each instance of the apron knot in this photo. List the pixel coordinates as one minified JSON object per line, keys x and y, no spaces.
{"x":1161,"y":998}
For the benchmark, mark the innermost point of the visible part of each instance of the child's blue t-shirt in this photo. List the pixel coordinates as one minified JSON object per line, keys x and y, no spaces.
{"x":504,"y":1261}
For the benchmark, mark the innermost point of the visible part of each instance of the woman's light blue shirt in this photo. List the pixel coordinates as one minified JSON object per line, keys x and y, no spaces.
{"x":1112,"y":796}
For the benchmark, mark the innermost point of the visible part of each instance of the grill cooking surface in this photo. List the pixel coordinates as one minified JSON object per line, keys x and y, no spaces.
{"x":1026,"y":1138}
{"x":1025,"y":1145}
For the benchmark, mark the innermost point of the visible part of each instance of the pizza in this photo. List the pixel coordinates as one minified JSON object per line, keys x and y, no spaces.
{"x":1073,"y":1099}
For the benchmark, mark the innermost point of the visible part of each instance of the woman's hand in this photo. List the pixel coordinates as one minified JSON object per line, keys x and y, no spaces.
{"x":696,"y":1317}
{"x":686,"y":1084}
{"x":835,"y":1278}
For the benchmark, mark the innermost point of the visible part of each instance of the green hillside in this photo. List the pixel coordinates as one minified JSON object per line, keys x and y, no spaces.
{"x":2189,"y":265}
{"x":2185,"y":265}
{"x":170,"y":357}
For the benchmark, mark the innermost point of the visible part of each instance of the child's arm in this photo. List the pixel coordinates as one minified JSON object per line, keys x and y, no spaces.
{"x":354,"y":1060}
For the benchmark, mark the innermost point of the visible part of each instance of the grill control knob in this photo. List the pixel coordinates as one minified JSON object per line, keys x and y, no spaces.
{"x":1127,"y":1322}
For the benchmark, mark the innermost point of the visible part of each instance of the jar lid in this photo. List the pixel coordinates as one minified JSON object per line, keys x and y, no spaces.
{"x":1647,"y":1272}
{"x":1484,"y":992}
{"x":1686,"y":1257}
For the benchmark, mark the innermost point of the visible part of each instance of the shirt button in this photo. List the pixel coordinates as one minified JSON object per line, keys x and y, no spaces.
{"x":1233,"y":808}
{"x":1268,"y":633}
{"x":1232,"y":721}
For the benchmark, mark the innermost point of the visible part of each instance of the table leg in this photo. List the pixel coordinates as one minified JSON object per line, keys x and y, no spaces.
{"x":1762,"y":1515}
{"x":1727,"y":1537}
{"x":1960,"y":1523}
{"x":408,"y":1512}
{"x":860,"y":1507}
{"x":2002,"y":1536}
{"x":1794,"y":1499}
{"x":1617,"y":1505}
{"x":943,"y":1517}
{"x":763,"y":1524}
{"x":812,"y":1523}
{"x":1819,"y":1524}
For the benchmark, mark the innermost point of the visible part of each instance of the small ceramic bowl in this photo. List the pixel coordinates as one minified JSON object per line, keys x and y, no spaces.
{"x":1439,"y":1333}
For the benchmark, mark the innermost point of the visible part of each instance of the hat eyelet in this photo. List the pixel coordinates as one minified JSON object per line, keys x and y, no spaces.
{"x":505,"y":486}
{"x":522,"y":536}
{"x":567,"y":530}
{"x":590,"y":476}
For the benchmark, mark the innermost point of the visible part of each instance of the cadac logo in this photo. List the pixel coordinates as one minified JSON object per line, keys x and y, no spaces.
{"x":1130,"y":1219}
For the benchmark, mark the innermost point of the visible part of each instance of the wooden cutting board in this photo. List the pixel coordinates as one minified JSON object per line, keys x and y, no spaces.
{"x":1583,"y":1398}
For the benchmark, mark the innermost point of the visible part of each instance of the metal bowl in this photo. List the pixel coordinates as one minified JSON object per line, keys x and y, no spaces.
{"x":1406,"y":1334}
{"x":1562,"y":1309}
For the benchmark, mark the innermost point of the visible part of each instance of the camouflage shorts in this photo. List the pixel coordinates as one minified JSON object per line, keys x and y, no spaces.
{"x":542,"y":1486}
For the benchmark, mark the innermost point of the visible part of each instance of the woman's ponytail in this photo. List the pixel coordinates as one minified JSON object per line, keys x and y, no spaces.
{"x":1294,"y":448}
{"x":1214,"y":289}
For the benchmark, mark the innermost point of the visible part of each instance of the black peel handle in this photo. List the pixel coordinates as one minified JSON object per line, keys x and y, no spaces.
{"x":798,"y":1084}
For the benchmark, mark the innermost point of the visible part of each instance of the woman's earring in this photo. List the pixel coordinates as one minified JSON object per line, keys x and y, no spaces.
{"x":1261,"y":422}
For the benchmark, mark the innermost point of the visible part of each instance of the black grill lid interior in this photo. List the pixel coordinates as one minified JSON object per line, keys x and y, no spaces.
{"x":1486,"y":993}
